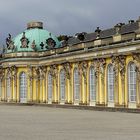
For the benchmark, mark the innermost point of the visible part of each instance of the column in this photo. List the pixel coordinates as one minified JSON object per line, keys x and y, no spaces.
{"x":115,"y":63}
{"x":3,"y":89}
{"x":122,"y":69}
{"x":14,"y":89}
{"x":37,"y":86}
{"x":44,"y":90}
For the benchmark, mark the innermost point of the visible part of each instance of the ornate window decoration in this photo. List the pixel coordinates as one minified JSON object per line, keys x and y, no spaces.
{"x":136,"y":59}
{"x":23,"y":87}
{"x":54,"y":73}
{"x":67,"y":68}
{"x":102,"y":65}
{"x":50,"y":86}
{"x":83,"y":70}
{"x":14,"y":76}
{"x":115,"y":63}
{"x":132,"y":82}
{"x":92,"y":84}
{"x":24,"y":41}
{"x":30,"y":75}
{"x":96,"y":65}
{"x":110,"y":83}
{"x":51,"y":43}
{"x":39,"y":72}
{"x":62,"y":85}
{"x":76,"y":84}
{"x":122,"y":68}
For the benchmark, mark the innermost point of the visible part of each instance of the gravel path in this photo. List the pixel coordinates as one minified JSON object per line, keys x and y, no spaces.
{"x":44,"y":123}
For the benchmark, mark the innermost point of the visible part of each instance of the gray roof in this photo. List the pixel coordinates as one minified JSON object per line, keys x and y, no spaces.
{"x":125,"y":29}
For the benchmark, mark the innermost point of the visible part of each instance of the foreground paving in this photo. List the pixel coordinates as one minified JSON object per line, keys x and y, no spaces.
{"x":44,"y":123}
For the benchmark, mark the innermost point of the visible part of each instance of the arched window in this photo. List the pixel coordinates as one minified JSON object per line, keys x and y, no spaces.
{"x":132,"y":82}
{"x":23,"y":87}
{"x":8,"y":86}
{"x":50,"y":87}
{"x":62,"y":85}
{"x":76,"y":84}
{"x":110,"y":77}
{"x":92,"y":86}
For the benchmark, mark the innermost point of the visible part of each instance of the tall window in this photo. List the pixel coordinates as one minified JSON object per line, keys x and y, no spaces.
{"x":92,"y":84}
{"x":62,"y":85}
{"x":132,"y":82}
{"x":76,"y":84}
{"x":23,"y":86}
{"x":8,"y":84}
{"x":110,"y":83}
{"x":50,"y":87}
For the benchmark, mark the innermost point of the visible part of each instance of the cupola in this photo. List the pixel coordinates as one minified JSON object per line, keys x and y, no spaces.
{"x":34,"y":38}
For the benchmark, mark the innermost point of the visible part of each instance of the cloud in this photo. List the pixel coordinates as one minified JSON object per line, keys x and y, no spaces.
{"x":65,"y":16}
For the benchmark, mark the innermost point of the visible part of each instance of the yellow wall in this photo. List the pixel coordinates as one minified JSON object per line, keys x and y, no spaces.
{"x":38,"y":91}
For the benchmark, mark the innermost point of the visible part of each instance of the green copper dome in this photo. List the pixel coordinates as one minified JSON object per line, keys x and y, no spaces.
{"x":35,"y":38}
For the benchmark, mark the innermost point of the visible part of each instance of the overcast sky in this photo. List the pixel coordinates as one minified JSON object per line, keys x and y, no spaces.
{"x":65,"y":16}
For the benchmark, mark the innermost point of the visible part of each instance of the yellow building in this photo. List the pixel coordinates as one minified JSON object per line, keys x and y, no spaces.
{"x":93,"y":69}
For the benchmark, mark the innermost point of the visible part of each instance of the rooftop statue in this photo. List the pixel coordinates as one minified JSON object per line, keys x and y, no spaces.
{"x":9,"y":43}
{"x":24,"y":41}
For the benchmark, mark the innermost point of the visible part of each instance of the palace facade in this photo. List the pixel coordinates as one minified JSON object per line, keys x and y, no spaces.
{"x":93,"y":69}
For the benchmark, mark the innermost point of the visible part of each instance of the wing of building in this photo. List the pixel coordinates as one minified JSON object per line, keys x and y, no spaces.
{"x":93,"y":69}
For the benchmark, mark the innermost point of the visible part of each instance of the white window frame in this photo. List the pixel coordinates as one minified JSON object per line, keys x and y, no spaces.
{"x":132,"y":83}
{"x":62,"y":85}
{"x":92,"y":84}
{"x":50,"y":86}
{"x":23,"y":86}
{"x":76,"y":84}
{"x":110,"y":83}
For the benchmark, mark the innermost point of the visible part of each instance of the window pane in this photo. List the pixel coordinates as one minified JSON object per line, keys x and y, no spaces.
{"x":62,"y":85}
{"x":132,"y":82}
{"x":76,"y":84}
{"x":50,"y":87}
{"x":23,"y":85}
{"x":92,"y":84}
{"x":110,"y":83}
